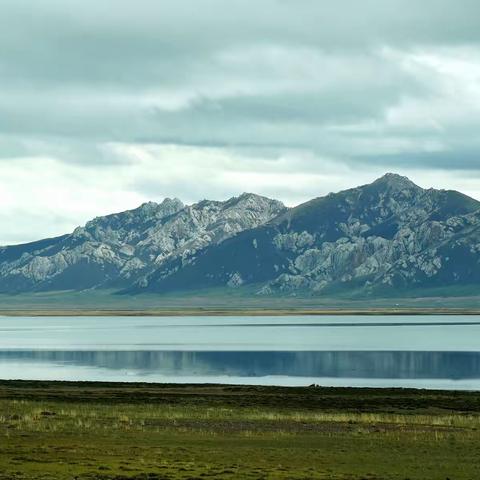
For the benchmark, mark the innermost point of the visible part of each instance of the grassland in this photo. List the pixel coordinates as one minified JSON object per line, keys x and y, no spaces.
{"x":244,"y":301}
{"x":224,"y":303}
{"x":142,"y":431}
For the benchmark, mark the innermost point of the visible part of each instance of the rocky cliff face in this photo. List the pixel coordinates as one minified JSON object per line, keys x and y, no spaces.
{"x":115,"y":250}
{"x":387,"y":235}
{"x":390,"y":233}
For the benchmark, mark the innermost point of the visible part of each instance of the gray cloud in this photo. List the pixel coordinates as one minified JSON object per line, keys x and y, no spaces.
{"x":288,"y":86}
{"x":448,"y":160}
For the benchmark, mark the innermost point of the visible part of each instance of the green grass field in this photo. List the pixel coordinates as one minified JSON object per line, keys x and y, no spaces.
{"x":237,"y":301}
{"x":139,"y":431}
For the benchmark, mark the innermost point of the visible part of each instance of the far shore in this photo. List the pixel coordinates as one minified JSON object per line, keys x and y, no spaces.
{"x":243,"y":312}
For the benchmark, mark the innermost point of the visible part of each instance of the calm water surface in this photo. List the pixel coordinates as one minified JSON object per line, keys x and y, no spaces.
{"x":418,"y":351}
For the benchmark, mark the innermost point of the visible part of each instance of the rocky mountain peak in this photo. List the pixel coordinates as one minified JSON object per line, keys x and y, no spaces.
{"x":394,"y":181}
{"x":249,"y":196}
{"x":252,"y":200}
{"x":172,"y":203}
{"x":168,"y":206}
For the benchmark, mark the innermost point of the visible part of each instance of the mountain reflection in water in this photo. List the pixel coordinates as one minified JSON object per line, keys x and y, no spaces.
{"x":333,"y":364}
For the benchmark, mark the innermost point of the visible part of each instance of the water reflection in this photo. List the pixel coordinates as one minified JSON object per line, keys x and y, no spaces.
{"x":321,"y":364}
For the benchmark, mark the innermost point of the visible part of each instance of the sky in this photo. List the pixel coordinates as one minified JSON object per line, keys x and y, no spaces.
{"x":106,"y":104}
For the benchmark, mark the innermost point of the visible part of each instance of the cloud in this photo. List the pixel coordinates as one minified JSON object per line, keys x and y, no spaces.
{"x":43,"y":197}
{"x":103,"y":105}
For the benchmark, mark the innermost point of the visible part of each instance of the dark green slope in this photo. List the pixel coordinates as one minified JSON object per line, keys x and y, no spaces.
{"x":379,"y":209}
{"x":250,"y":254}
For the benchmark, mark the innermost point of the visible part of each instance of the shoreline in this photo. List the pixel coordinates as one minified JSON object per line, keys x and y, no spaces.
{"x":241,"y":312}
{"x":159,"y":392}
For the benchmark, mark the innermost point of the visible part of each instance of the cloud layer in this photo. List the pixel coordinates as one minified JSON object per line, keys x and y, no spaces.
{"x":104,"y":105}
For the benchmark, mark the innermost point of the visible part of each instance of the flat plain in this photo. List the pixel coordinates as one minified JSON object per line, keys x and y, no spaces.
{"x":60,"y":430}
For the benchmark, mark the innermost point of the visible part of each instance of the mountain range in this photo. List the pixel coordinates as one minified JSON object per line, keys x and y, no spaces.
{"x":386,"y":236}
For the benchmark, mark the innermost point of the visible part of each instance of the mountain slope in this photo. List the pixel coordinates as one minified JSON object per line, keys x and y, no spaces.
{"x":115,"y":250}
{"x":388,"y":234}
{"x":382,"y":237}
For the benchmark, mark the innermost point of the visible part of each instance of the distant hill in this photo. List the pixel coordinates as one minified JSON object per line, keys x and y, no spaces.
{"x":380,"y":238}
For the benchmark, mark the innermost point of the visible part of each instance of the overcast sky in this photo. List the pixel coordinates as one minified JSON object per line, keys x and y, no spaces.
{"x":105,"y":104}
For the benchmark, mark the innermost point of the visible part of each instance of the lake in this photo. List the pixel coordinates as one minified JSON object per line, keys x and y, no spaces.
{"x":407,"y":351}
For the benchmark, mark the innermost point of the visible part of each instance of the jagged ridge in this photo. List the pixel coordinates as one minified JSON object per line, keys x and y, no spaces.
{"x":390,"y":234}
{"x":118,"y":249}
